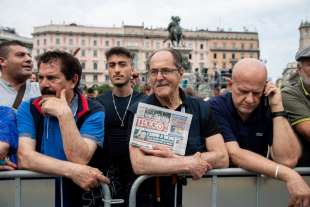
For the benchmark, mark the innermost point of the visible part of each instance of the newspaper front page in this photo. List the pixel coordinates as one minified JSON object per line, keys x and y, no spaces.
{"x":154,"y":125}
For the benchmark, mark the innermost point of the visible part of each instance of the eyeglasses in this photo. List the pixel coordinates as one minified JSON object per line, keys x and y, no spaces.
{"x":163,"y":71}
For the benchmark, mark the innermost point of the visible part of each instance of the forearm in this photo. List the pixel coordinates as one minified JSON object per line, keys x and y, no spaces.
{"x":285,"y":148}
{"x":32,"y":160}
{"x":149,"y":164}
{"x":75,"y":147}
{"x":216,"y":159}
{"x":4,"y":149}
{"x":257,"y":163}
{"x":217,"y":154}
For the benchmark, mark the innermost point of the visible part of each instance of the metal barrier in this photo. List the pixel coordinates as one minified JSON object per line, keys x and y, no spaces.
{"x":21,"y":188}
{"x":233,"y":187}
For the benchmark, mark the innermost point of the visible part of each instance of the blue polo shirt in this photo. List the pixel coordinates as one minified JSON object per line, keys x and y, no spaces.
{"x":8,"y":130}
{"x":92,"y":128}
{"x":52,"y":144}
{"x":254,"y":134}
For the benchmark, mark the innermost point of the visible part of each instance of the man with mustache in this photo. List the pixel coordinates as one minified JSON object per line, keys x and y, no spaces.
{"x":16,"y":68}
{"x":60,"y":131}
{"x":115,"y":156}
{"x":205,"y":147}
{"x":296,"y":99}
{"x":254,"y":125}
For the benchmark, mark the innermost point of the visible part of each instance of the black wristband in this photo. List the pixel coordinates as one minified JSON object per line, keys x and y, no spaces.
{"x":279,"y":113}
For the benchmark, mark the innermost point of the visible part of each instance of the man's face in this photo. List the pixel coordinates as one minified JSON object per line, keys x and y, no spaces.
{"x":164,"y":76}
{"x":52,"y":80}
{"x":246,"y":95}
{"x":18,"y":64}
{"x":120,"y":70}
{"x":304,"y":71}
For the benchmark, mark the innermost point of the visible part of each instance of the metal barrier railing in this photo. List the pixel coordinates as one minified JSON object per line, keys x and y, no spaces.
{"x":232,"y":187}
{"x":27,"y":188}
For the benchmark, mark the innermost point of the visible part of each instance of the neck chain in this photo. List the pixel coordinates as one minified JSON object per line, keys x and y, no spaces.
{"x":119,"y":117}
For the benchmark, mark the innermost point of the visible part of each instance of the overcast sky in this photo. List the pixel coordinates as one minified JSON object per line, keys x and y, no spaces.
{"x":276,"y":21}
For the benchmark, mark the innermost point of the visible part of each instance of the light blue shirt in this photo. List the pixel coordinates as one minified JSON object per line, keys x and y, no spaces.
{"x":8,"y":93}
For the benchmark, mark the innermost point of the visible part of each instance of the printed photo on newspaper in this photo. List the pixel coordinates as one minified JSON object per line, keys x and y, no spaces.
{"x":154,"y":125}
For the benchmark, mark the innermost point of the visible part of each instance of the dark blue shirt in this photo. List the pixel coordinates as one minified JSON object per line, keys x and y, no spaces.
{"x":254,"y":134}
{"x":203,"y":124}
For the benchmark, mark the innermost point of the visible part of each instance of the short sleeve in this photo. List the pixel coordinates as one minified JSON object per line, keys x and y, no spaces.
{"x":297,"y":110}
{"x":221,"y":115}
{"x":25,"y":123}
{"x":209,"y":124}
{"x":93,"y":127}
{"x":8,"y":129}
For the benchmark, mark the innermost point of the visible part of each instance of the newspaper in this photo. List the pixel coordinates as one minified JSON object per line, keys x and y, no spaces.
{"x":155,"y":125}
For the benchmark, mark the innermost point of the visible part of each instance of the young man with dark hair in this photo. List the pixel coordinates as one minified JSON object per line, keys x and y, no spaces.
{"x":60,"y":131}
{"x":116,"y":102}
{"x":16,"y":68}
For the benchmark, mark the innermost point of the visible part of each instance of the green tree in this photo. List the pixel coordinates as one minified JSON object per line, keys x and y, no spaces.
{"x":102,"y":88}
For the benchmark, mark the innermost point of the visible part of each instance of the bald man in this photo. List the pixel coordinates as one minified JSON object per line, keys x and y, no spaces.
{"x":254,"y":125}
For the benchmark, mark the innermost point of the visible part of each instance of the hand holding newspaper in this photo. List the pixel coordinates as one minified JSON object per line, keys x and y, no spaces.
{"x":154,"y":125}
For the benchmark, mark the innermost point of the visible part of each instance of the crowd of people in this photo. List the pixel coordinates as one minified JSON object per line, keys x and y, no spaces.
{"x":50,"y":126}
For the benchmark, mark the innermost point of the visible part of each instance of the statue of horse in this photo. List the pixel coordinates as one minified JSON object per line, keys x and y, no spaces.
{"x":175,"y":32}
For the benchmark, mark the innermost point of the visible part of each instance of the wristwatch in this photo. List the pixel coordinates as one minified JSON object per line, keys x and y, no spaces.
{"x":279,"y":113}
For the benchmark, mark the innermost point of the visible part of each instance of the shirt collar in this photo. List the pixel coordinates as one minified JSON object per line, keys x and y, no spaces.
{"x":303,"y":87}
{"x":153,"y":100}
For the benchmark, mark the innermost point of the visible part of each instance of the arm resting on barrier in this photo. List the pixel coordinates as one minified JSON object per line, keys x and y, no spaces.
{"x":285,"y":147}
{"x":7,"y":165}
{"x":143,"y":163}
{"x":85,"y":176}
{"x":217,"y":154}
{"x":297,"y":188}
{"x":4,"y":149}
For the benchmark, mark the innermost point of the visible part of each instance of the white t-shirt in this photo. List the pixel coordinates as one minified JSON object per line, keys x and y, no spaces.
{"x":8,"y":93}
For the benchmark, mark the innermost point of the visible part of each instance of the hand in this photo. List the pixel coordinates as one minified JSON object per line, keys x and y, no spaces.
{"x":8,"y":165}
{"x":55,"y":106}
{"x":159,"y":151}
{"x":87,"y":177}
{"x":299,"y":192}
{"x":198,"y":166}
{"x":274,"y":95}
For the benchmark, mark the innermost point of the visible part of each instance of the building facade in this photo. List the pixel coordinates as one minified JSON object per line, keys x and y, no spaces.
{"x":304,"y":35}
{"x":290,"y":74}
{"x":7,"y":34}
{"x":208,"y":51}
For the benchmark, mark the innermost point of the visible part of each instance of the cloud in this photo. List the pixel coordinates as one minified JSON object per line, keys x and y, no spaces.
{"x":276,"y":21}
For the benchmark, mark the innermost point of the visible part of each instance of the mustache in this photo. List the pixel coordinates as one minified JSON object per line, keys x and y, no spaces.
{"x":160,"y":83}
{"x":46,"y":91}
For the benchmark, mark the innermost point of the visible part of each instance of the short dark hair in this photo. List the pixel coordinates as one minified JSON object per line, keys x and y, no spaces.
{"x":177,"y":57}
{"x":69,"y":64}
{"x":118,"y":51}
{"x":4,"y":47}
